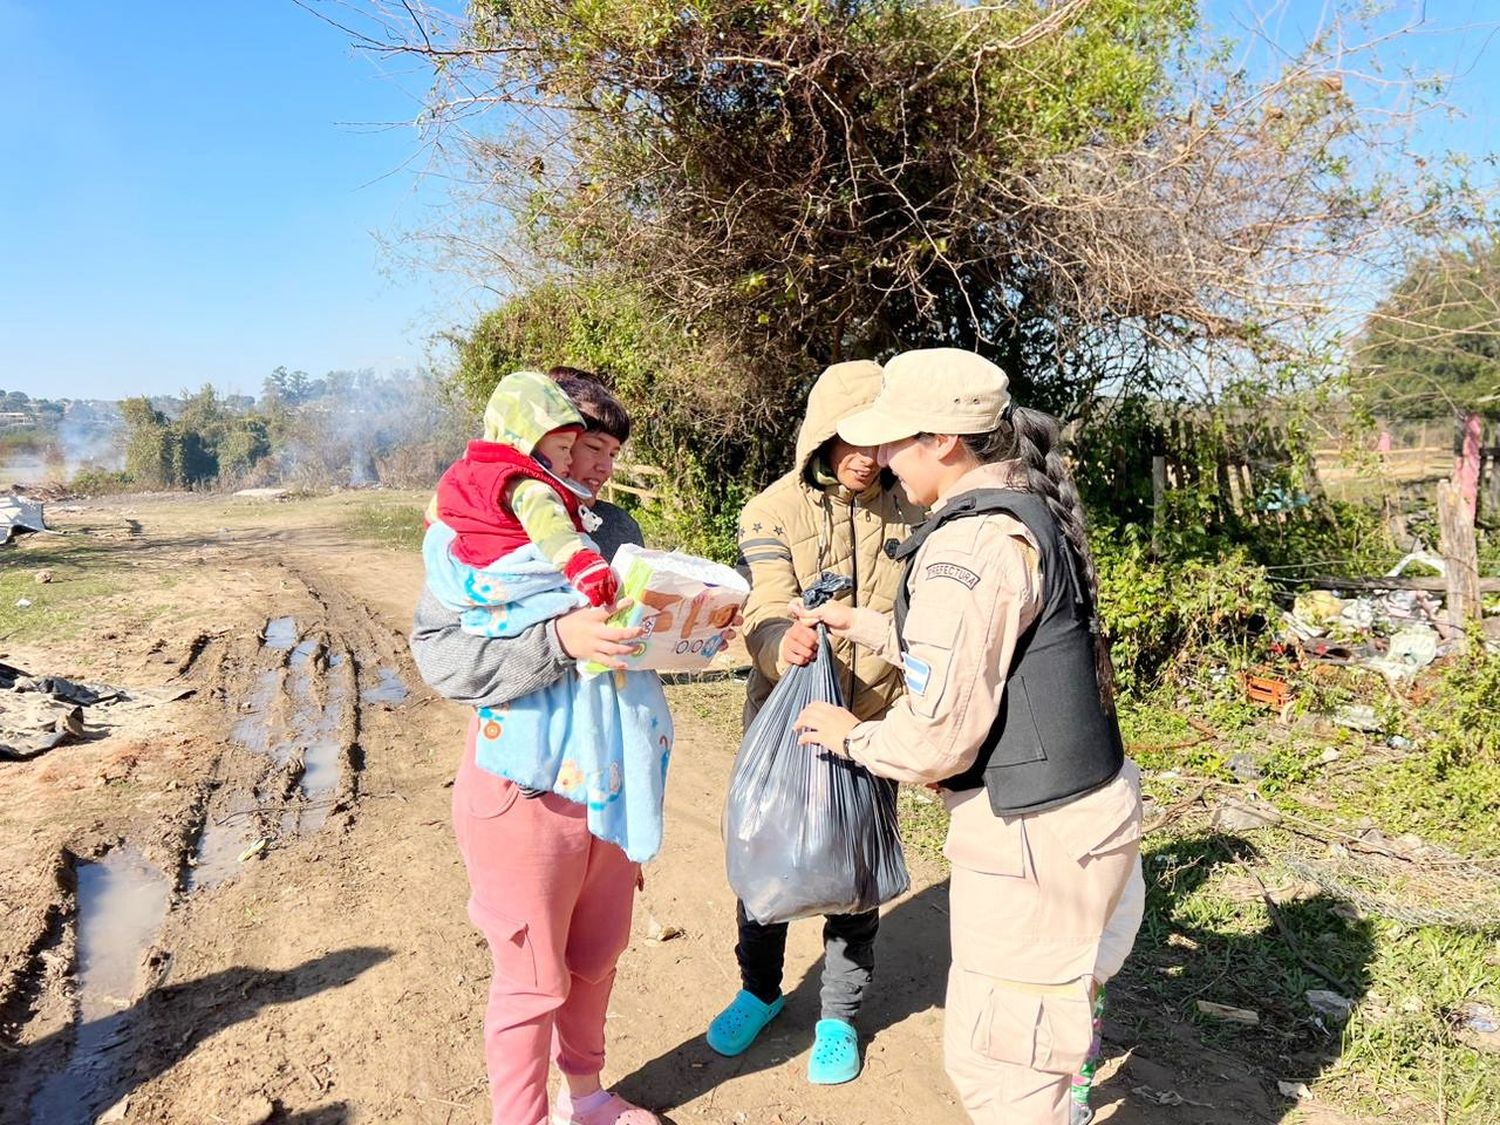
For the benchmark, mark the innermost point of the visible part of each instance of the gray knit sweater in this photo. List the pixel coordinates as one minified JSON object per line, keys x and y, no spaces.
{"x":489,"y":671}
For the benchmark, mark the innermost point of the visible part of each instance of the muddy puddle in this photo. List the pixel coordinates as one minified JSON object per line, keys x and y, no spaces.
{"x":122,"y":901}
{"x":389,"y":688}
{"x":292,"y":717}
{"x":252,"y":729}
{"x":280,"y":634}
{"x":311,"y":736}
{"x":221,"y":843}
{"x":321,"y":749}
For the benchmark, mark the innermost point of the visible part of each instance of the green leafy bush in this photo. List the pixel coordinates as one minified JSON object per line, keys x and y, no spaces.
{"x":102,"y":482}
{"x":1162,"y":615}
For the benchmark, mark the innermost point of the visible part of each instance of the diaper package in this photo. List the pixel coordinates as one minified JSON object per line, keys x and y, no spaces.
{"x":685,"y":604}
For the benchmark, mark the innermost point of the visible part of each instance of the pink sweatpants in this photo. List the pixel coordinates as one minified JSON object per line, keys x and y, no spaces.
{"x":554,"y":904}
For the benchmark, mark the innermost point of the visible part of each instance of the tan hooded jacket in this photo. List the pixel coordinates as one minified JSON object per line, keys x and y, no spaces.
{"x":800,"y":527}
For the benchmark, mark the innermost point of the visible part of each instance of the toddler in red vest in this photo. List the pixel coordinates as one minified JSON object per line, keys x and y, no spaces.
{"x":511,"y":488}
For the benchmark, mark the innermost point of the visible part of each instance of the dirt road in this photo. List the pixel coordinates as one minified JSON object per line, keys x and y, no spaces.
{"x":275,"y":930}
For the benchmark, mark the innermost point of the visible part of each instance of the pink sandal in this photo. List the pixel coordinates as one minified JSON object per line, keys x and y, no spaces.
{"x":615,"y":1110}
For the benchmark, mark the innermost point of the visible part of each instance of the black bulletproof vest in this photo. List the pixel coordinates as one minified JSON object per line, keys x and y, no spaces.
{"x":1053,"y":740}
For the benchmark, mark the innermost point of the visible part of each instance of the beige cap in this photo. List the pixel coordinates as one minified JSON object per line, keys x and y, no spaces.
{"x":931,"y":391}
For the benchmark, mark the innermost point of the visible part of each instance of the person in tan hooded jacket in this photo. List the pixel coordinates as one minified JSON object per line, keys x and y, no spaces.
{"x":834,"y":511}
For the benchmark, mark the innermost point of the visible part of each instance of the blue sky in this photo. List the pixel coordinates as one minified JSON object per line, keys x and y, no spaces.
{"x":193,"y":192}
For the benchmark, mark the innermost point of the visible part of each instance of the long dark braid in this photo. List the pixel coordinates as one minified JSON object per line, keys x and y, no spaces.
{"x":1035,"y":439}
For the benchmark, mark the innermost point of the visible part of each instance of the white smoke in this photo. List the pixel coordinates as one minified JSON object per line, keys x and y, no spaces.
{"x":360,"y":428}
{"x":91,"y":436}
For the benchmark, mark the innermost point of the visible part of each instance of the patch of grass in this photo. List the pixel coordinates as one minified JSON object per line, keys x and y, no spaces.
{"x":1208,"y":935}
{"x":717,"y":703}
{"x":924,"y":821}
{"x":395,"y":525}
{"x":83,"y":575}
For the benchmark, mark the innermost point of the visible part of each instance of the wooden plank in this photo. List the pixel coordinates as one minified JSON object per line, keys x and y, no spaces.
{"x":1224,"y":500}
{"x":1334,"y":582}
{"x":1460,"y":554}
{"x":643,"y":493}
{"x":1158,"y":501}
{"x":1492,"y":485}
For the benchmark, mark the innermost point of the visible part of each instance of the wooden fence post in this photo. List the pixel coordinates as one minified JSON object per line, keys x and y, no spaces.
{"x":1460,"y":556}
{"x":1466,"y":462}
{"x":1158,"y":501}
{"x":1492,"y":484}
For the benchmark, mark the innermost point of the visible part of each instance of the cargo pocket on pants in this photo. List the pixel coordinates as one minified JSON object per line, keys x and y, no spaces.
{"x":1048,"y":1033}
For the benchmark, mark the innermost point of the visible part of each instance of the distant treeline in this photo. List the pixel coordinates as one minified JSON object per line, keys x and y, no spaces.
{"x":346,"y":428}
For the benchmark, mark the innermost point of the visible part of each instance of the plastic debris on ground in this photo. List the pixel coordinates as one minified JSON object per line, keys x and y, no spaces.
{"x":1410,"y":650}
{"x":1329,"y":1005}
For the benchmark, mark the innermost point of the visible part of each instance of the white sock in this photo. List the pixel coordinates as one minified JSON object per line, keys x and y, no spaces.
{"x":586,"y":1102}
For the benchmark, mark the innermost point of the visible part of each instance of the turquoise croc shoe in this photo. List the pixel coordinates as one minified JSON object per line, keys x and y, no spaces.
{"x":835,"y":1054}
{"x":736,"y":1027}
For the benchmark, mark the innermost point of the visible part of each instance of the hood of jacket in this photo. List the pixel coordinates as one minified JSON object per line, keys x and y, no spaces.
{"x":838,"y":393}
{"x":524,"y":408}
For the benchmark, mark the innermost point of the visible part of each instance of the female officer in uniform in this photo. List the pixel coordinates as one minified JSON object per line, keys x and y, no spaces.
{"x":1009,"y":709}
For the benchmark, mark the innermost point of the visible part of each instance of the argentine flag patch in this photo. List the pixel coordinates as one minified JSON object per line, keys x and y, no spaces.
{"x":918,"y":673}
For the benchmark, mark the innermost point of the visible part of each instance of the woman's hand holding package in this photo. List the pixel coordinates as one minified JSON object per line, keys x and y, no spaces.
{"x":586,"y":635}
{"x":825,"y":725}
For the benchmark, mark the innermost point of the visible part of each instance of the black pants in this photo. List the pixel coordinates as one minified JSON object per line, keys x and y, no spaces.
{"x":848,"y":960}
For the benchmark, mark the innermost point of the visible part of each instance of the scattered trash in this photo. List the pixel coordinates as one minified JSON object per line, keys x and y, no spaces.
{"x":1481,"y":1018}
{"x":263,"y":493}
{"x":1358,"y":716}
{"x":1317,"y":607}
{"x":1297,"y":1091}
{"x":67,"y":691}
{"x":1267,"y":690}
{"x":1411,"y":650}
{"x":254,"y":849}
{"x":1166,"y":1097}
{"x":659,"y":934}
{"x":1231,"y":815}
{"x":42,"y":578}
{"x":1329,"y":756}
{"x":1479,"y":1026}
{"x":1244,"y":767}
{"x":1329,"y":1005}
{"x":1158,"y":1097}
{"x":1228,"y":1013}
{"x":23,"y":603}
{"x":18,"y":516}
{"x":1424,"y":558}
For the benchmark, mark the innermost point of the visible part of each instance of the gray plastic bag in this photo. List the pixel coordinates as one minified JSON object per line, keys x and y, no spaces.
{"x":807,"y":832}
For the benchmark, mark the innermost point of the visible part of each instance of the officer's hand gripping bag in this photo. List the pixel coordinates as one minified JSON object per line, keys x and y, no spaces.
{"x":807,"y":832}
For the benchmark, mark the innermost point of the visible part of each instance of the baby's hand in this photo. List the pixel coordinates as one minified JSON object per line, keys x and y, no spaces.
{"x":590,"y":576}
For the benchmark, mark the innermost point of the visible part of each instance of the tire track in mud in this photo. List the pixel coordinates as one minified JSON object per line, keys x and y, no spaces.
{"x":303,"y":698}
{"x":282,"y":712}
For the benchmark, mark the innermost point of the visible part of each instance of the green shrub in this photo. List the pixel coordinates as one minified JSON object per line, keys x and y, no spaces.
{"x":102,"y":482}
{"x":1162,"y":615}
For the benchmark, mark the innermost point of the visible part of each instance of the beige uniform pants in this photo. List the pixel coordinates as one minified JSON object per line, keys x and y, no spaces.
{"x":1043,"y":907}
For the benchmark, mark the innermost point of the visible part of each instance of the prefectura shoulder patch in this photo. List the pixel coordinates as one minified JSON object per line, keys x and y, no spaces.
{"x":952,"y":570}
